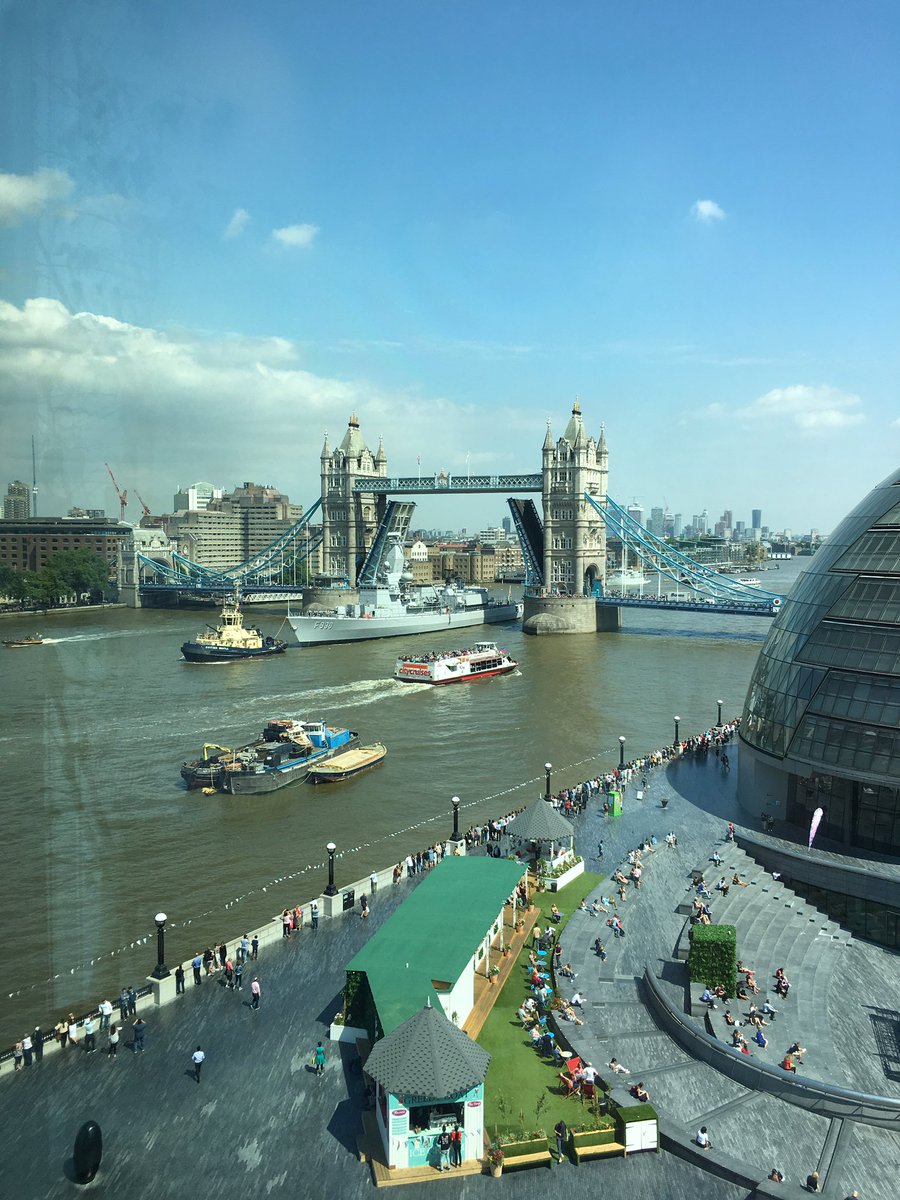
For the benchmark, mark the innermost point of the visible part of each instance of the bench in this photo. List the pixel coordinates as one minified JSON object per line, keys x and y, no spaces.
{"x":533,"y":1153}
{"x":599,"y":1143}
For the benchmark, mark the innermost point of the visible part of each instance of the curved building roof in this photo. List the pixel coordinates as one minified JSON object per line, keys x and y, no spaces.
{"x":825,"y":692}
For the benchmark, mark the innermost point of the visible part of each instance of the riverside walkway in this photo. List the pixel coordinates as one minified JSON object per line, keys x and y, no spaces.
{"x":261,"y":1124}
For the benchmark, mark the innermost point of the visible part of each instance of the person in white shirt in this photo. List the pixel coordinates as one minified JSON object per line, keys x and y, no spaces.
{"x":702,"y":1139}
{"x":617,"y":1068}
{"x":197,"y":1059}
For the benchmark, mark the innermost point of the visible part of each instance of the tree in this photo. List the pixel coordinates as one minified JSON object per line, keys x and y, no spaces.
{"x":77,"y":571}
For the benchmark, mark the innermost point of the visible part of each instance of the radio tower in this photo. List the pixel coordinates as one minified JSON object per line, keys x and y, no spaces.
{"x":33,"y":480}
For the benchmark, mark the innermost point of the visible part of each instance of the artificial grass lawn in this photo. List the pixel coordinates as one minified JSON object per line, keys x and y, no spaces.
{"x":522,"y":1090}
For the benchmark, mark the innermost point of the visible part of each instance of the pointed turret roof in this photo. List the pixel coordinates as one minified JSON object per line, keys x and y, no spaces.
{"x":326,"y":452}
{"x":353,"y":444}
{"x":548,"y":440}
{"x":380,"y":457}
{"x":575,"y":428}
{"x":429,"y":1057}
{"x":540,"y":822}
{"x":602,"y":445}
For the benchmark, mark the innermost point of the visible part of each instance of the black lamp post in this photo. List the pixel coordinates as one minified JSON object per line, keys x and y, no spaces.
{"x":548,"y":767}
{"x":160,"y":971}
{"x":719,"y":717}
{"x":455,"y":803}
{"x":621,"y":752}
{"x":331,"y":890}
{"x":677,"y":719}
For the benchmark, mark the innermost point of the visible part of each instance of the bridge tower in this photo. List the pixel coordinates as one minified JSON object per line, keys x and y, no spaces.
{"x":349,"y":520}
{"x":574,"y":533}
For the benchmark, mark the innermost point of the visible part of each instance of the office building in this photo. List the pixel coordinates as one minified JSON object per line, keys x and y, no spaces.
{"x":17,"y":502}
{"x":196,"y":497}
{"x":756,"y":518}
{"x":232,"y":527}
{"x":26,"y":545}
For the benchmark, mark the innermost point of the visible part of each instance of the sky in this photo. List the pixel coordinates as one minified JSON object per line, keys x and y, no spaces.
{"x":226,"y":227}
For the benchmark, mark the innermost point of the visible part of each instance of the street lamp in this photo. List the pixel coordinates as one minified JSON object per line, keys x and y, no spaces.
{"x":677,"y":719}
{"x":331,"y":890}
{"x":455,"y":803}
{"x":621,"y":752}
{"x":548,"y":767}
{"x":160,"y":971}
{"x":719,"y":717}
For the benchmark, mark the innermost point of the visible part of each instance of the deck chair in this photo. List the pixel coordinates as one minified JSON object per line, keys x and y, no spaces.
{"x":573,"y":1065}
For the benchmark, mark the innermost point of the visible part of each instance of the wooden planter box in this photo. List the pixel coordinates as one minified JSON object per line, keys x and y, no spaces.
{"x":597,"y":1143}
{"x":558,"y":882}
{"x":527,"y":1154}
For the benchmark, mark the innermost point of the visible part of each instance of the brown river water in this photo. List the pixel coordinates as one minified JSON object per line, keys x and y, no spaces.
{"x":100,"y":833}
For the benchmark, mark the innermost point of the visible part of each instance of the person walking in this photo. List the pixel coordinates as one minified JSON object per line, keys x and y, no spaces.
{"x":319,"y":1059}
{"x":140,"y":1029}
{"x":363,"y":906}
{"x":197,"y":1058}
{"x":562,"y":1136}
{"x":256,"y":991}
{"x":239,"y":975}
{"x":112,"y":1047}
{"x":179,"y":980}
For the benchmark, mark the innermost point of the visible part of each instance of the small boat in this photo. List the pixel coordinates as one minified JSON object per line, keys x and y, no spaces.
{"x":281,"y":756}
{"x":35,"y":640}
{"x":455,"y":666}
{"x":348,"y":763}
{"x":231,"y":640}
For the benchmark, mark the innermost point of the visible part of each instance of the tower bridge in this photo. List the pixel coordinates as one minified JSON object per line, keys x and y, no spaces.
{"x":564,"y":545}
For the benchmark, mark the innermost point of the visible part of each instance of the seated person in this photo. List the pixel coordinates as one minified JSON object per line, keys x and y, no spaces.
{"x":708,"y":998}
{"x":616,"y":1067}
{"x":578,"y":1000}
{"x":797,"y":1050}
{"x":572,"y":1086}
{"x":719,"y":992}
{"x":728,"y":1018}
{"x":567,"y":971}
{"x":723,"y":887}
{"x":597,"y":906}
{"x":640,"y":1093}
{"x":787,"y":1064}
{"x":716,"y":858}
{"x":767,"y":1010}
{"x":737,"y":881}
{"x":704,"y":919}
{"x":703,"y":891}
{"x":599,"y":950}
{"x":737,"y":1038}
{"x":760,"y":1038}
{"x":537,"y":1036}
{"x":525,"y":1016}
{"x":776,"y":1176}
{"x":742,"y":992}
{"x":555,"y":914}
{"x":702,"y":1139}
{"x":568,"y":1014}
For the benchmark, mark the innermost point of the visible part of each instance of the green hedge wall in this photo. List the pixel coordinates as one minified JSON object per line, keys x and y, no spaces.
{"x":713,"y":956}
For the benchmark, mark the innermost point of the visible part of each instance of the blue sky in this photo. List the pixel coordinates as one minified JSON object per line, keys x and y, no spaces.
{"x":223,"y":228}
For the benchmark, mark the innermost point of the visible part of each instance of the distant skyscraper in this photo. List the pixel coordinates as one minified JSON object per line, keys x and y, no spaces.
{"x":636,"y":513}
{"x":701,"y":523}
{"x":756,"y":518}
{"x":17,"y":504}
{"x":728,"y":518}
{"x":677,"y":525}
{"x":507,"y":525}
{"x":657,"y":522}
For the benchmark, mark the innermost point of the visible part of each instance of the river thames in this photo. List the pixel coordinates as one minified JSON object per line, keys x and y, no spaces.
{"x":101,"y":833}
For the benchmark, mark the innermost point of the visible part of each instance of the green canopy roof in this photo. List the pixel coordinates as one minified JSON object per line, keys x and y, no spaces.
{"x":433,"y":934}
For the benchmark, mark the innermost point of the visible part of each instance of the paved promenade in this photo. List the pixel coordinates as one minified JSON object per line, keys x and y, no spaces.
{"x":260,"y":1124}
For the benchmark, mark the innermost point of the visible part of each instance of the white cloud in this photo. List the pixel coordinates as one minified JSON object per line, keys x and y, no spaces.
{"x":240,"y":218}
{"x":295,"y":235}
{"x":24,"y":196}
{"x":707,"y":211}
{"x":169,"y":405}
{"x":811,"y":409}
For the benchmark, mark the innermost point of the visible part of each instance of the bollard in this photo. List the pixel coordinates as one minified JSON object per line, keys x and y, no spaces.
{"x":88,"y":1151}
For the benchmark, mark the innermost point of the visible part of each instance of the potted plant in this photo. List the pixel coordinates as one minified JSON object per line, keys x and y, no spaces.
{"x":495,"y":1159}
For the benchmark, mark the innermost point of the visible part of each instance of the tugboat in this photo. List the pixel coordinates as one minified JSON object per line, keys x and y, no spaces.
{"x":455,"y":666}
{"x":35,"y":640}
{"x":231,"y":640}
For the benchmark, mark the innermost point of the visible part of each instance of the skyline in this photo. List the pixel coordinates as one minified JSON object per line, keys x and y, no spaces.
{"x":218,"y":238}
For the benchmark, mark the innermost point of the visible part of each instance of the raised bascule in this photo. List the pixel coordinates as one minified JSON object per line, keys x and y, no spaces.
{"x":362,"y":510}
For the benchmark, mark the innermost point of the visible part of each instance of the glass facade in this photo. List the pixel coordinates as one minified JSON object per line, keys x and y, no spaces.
{"x":824,"y":701}
{"x":864,"y":918}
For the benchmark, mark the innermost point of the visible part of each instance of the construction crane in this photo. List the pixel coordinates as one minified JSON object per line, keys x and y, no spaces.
{"x":142,"y":502}
{"x":123,"y":496}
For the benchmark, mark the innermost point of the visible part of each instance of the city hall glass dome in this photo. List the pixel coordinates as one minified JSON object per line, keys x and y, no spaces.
{"x":821,"y":724}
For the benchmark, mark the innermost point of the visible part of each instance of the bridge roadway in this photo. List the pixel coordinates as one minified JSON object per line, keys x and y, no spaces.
{"x":442,"y":484}
{"x":733,"y":607}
